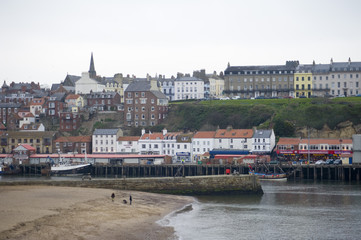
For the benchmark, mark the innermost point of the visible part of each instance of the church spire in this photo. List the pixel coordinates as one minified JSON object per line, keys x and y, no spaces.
{"x":92,"y":72}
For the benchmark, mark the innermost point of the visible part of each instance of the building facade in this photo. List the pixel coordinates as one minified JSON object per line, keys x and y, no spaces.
{"x":188,"y":88}
{"x":105,"y":140}
{"x":73,"y":144}
{"x":144,"y":104}
{"x":254,"y":81}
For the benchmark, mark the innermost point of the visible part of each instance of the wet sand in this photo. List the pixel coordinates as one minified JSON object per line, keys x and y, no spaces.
{"x":41,"y":212}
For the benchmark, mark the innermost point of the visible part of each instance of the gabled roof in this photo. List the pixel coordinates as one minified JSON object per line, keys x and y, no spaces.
{"x":72,"y":96}
{"x":106,"y":131}
{"x":26,"y":146}
{"x":137,"y":86}
{"x":205,"y":134}
{"x":152,"y":136}
{"x":159,"y":94}
{"x":234,"y":133}
{"x":262,"y":133}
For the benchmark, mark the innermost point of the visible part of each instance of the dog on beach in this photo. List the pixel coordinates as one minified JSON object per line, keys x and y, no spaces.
{"x":124,"y":201}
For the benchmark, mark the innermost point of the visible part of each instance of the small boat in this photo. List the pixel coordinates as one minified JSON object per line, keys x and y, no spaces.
{"x":71,"y":168}
{"x":269,"y":176}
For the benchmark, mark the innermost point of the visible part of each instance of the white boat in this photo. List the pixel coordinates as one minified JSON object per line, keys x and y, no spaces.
{"x":71,"y":168}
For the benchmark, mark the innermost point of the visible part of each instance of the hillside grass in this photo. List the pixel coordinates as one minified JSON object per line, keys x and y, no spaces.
{"x":288,"y":114}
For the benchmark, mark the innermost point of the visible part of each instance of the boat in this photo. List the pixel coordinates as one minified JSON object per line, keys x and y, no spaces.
{"x":63,"y":169}
{"x":269,"y":176}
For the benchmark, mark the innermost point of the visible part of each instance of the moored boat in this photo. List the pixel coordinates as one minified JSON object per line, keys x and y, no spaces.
{"x":71,"y":168}
{"x":269,"y":176}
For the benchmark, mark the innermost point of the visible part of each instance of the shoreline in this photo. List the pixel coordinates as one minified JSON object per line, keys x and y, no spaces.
{"x":46,"y":212}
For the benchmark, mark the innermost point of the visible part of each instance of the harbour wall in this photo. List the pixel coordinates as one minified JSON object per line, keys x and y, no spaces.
{"x":347,"y":172}
{"x":198,"y":185}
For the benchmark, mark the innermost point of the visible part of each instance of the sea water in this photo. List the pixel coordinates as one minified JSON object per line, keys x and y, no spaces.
{"x":286,"y":210}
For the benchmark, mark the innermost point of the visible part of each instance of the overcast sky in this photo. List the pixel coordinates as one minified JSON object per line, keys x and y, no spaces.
{"x":43,"y":40}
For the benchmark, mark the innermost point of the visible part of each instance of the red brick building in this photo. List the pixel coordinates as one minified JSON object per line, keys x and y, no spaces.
{"x":103,"y":101}
{"x":69,"y":121}
{"x":144,"y":105}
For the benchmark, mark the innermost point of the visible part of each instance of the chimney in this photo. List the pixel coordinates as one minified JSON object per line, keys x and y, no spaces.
{"x":153,"y":84}
{"x":164,"y":131}
{"x":143,"y":131}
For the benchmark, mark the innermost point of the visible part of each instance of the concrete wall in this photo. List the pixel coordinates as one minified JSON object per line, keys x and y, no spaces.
{"x":236,"y":184}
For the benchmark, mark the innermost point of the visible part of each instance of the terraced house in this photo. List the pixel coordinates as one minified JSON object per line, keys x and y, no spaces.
{"x":256,"y":81}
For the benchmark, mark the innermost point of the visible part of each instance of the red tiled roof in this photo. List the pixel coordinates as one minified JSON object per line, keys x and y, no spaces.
{"x":74,"y":139}
{"x":152,"y":136}
{"x":72,"y":96}
{"x":129,"y":138}
{"x":234,"y":133}
{"x":28,"y":147}
{"x":289,"y":141}
{"x":205,"y":134}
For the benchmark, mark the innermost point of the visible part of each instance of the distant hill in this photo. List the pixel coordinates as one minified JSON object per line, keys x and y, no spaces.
{"x":289,"y":117}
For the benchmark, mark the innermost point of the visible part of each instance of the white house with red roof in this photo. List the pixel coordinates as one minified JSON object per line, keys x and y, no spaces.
{"x":234,"y":139}
{"x":202,"y":142}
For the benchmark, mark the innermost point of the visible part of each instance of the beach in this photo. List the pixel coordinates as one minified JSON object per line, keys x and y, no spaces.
{"x":43,"y":212}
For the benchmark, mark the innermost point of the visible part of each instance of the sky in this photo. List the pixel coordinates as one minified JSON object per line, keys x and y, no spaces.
{"x":44,"y":40}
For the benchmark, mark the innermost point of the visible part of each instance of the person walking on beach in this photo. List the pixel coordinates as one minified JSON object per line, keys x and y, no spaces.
{"x":113,"y":196}
{"x":130,"y":199}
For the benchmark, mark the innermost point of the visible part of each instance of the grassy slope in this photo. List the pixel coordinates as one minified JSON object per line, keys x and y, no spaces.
{"x":315,"y":113}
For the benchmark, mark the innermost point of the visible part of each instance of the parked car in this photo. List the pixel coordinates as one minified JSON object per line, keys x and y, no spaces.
{"x":236,"y":97}
{"x":329,"y":161}
{"x":338,"y":162}
{"x":302,"y":97}
{"x":320,"y":162}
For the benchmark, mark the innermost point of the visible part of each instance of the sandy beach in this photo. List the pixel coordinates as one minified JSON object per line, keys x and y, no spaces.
{"x":41,"y":212}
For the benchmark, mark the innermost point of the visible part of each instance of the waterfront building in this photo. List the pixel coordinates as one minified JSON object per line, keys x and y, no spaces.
{"x":202,"y":142}
{"x":105,"y":140}
{"x":188,"y":88}
{"x":264,"y":141}
{"x":260,"y":81}
{"x":128,"y":145}
{"x":303,"y":81}
{"x":233,"y":139}
{"x":316,"y":148}
{"x":73,"y":144}
{"x":41,"y":141}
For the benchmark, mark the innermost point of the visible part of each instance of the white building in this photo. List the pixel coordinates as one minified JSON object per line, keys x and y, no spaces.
{"x":263,"y":141}
{"x":235,"y":139}
{"x":202,"y":142}
{"x":106,"y":140}
{"x":85,"y":85}
{"x":167,"y":87}
{"x":128,"y":144}
{"x":188,"y":88}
